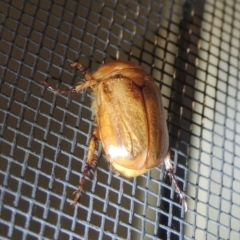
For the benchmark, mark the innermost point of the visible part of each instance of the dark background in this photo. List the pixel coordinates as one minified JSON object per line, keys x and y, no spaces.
{"x":191,"y":48}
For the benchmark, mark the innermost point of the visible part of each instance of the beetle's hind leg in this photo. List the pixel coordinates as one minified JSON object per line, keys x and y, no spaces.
{"x":90,"y":165}
{"x":170,"y":173}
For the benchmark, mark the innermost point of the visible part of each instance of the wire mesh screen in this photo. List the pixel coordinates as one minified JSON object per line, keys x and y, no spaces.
{"x":191,"y":48}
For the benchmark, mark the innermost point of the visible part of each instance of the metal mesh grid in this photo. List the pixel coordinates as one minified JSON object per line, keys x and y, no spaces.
{"x":192,"y":50}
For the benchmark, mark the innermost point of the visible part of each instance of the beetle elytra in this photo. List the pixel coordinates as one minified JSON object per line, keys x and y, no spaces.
{"x":130,"y":121}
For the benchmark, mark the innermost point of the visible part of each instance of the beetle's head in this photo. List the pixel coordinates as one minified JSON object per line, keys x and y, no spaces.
{"x":111,"y":67}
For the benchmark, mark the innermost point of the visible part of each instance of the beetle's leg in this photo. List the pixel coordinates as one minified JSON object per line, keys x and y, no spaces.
{"x":88,"y":81}
{"x":170,"y":172}
{"x":76,"y":89}
{"x":58,"y":91}
{"x":86,"y":71}
{"x":90,"y":165}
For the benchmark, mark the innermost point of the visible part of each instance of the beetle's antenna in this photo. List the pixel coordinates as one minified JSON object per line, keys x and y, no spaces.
{"x":170,"y":173}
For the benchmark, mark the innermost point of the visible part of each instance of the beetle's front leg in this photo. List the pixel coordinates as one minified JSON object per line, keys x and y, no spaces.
{"x":88,"y":81}
{"x":90,"y":165}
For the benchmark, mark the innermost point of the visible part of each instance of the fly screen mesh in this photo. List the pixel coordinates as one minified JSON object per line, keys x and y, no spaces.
{"x":191,"y":48}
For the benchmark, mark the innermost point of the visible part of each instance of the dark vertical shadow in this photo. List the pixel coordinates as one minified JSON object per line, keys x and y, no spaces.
{"x":180,"y":112}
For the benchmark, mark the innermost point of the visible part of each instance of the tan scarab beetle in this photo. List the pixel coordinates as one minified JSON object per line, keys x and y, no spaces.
{"x":130,"y":121}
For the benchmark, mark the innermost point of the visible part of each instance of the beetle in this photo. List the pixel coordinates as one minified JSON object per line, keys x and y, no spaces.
{"x":130,"y":121}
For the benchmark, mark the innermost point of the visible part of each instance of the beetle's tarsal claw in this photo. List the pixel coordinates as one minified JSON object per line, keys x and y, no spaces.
{"x":78,"y":191}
